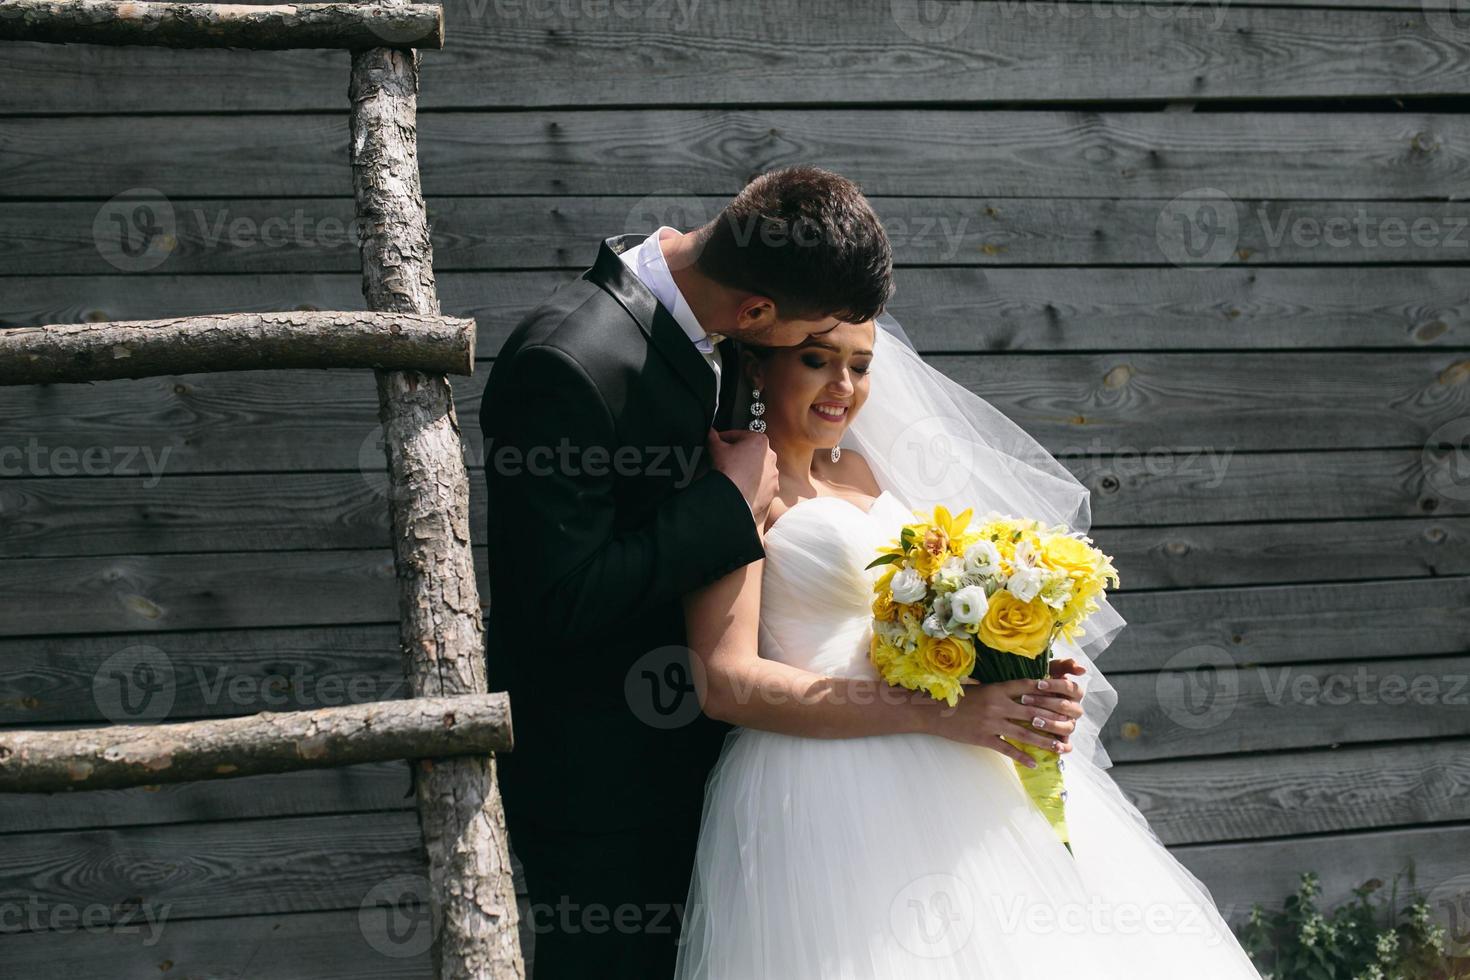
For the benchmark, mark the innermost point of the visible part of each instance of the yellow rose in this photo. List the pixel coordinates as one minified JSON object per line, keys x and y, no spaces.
{"x":1013,"y":626}
{"x":1069,"y":555}
{"x":884,"y":608}
{"x":946,"y":656}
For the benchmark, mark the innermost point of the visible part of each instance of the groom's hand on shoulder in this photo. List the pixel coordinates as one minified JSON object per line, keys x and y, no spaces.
{"x":747,"y":460}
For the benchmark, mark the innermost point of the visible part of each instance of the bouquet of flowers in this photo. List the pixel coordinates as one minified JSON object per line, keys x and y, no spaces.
{"x":987,"y":602}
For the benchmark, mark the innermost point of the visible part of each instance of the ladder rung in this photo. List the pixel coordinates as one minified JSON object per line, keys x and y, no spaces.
{"x":120,"y":756}
{"x":71,"y":352}
{"x":224,"y":25}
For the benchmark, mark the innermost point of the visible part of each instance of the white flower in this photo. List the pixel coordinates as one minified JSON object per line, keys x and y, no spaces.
{"x":968,"y":605}
{"x":908,"y":585}
{"x":982,"y":558}
{"x":1026,"y":554}
{"x":950,"y":572}
{"x":1024,"y":582}
{"x":934,"y":626}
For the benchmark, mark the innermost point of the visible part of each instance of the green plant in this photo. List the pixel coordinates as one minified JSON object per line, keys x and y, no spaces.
{"x":1359,"y":940}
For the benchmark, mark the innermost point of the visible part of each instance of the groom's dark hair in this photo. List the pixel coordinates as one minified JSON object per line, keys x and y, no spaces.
{"x":808,"y":239}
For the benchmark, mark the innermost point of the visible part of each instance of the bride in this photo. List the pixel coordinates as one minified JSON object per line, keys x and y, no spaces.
{"x":853,"y":830}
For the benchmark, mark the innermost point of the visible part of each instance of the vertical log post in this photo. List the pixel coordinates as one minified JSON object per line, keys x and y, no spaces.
{"x":473,"y":901}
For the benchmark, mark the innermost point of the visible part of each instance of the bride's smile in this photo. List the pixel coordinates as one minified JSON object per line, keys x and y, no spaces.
{"x":815,"y":389}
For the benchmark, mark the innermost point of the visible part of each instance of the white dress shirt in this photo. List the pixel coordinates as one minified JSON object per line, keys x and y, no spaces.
{"x":648,"y":264}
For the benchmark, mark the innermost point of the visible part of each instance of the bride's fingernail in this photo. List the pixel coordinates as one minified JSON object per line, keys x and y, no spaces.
{"x":1025,"y":699}
{"x":1038,"y":722}
{"x":1041,"y":685}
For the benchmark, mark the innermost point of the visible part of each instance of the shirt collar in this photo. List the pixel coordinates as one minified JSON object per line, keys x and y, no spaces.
{"x":647,"y":262}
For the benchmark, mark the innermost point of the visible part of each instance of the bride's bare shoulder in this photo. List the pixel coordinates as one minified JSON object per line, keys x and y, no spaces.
{"x":851,"y":471}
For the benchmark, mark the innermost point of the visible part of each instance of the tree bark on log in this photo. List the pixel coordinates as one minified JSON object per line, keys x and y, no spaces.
{"x":120,"y":756}
{"x":72,"y":352}
{"x":216,"y":25}
{"x":473,"y":903}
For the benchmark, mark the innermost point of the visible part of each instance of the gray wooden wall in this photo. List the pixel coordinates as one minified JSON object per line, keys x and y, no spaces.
{"x":1215,"y":257}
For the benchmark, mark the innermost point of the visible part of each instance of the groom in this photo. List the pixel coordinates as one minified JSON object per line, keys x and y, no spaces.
{"x":608,"y":500}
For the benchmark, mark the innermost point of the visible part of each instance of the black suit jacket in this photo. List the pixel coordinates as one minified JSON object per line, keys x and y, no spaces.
{"x":596,"y":409}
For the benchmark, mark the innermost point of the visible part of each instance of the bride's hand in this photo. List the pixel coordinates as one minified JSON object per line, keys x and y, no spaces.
{"x":1013,"y":709}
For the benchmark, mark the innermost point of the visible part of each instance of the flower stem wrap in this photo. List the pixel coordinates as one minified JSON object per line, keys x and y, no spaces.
{"x":1044,"y":784}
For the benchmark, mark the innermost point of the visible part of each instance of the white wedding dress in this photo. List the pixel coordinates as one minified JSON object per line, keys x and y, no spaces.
{"x":912,"y":856}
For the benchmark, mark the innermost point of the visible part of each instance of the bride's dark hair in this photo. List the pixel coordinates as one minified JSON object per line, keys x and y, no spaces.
{"x":808,"y":239}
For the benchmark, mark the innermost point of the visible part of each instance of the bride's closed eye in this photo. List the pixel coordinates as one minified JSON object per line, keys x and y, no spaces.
{"x":816,"y":363}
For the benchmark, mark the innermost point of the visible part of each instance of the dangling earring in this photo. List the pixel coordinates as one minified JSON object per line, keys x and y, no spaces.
{"x":757,"y":409}
{"x":836,"y":453}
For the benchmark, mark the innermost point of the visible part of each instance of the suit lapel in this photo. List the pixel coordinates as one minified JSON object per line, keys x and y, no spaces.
{"x":658,"y":324}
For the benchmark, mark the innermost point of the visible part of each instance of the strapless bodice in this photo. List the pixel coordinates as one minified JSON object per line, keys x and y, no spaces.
{"x":815,"y":590}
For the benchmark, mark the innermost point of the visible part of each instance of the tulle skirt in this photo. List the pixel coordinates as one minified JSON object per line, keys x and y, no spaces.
{"x":912,"y":856}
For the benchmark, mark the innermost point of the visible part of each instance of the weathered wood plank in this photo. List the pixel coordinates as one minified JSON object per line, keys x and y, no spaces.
{"x":301,"y":946}
{"x":370,"y":787}
{"x":300,"y":235}
{"x":950,"y":310}
{"x":60,"y":516}
{"x":825,"y":51}
{"x":1186,"y":556}
{"x":191,"y":871}
{"x":68,"y":679}
{"x":1267,"y":871}
{"x":1350,"y":788}
{"x":1081,"y":405}
{"x":1273,"y":624}
{"x":940,"y":152}
{"x":1207,"y":702}
{"x":234,"y":590}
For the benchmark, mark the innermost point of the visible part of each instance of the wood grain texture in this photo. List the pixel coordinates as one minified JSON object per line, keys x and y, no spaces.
{"x":380,"y":786}
{"x":191,"y":871}
{"x":1238,"y":874}
{"x":343,"y":945}
{"x":64,"y":516}
{"x":1207,"y":703}
{"x":523,"y":54}
{"x":192,"y":236}
{"x":203,"y":590}
{"x":943,"y":310}
{"x":1028,"y":154}
{"x":72,"y":679}
{"x":1310,"y":792}
{"x":1077,"y":405}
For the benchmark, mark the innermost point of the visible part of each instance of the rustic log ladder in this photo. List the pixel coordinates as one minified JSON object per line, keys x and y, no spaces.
{"x":450,"y":725}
